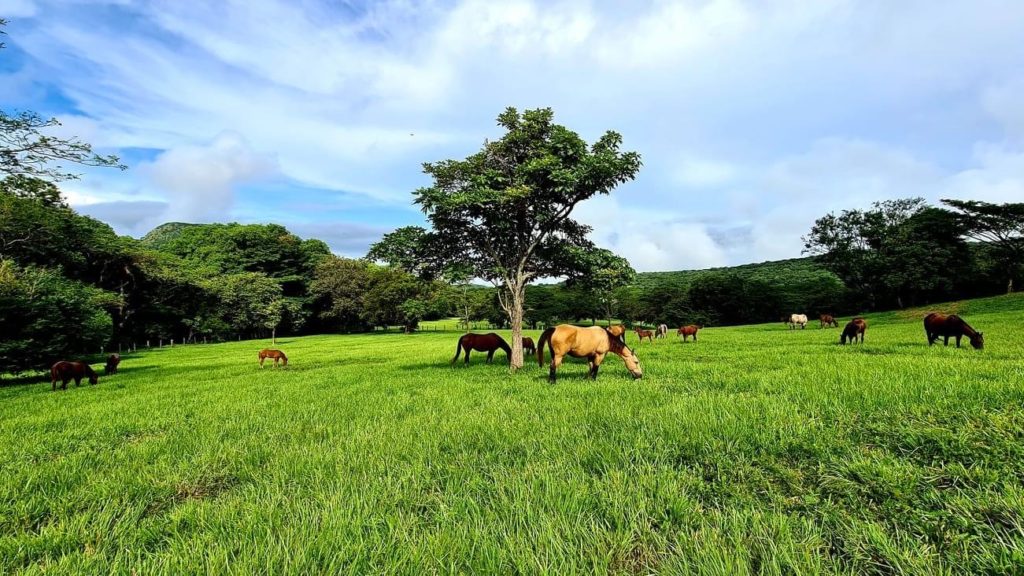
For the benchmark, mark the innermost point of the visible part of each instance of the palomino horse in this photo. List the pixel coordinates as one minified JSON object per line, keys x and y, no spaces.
{"x":936,"y":325}
{"x":690,"y":330}
{"x":641,"y":333}
{"x":112,"y":361}
{"x":528,"y":346}
{"x":65,"y":371}
{"x":482,"y":343}
{"x":662,"y":331}
{"x":853,"y":328}
{"x":828,"y":320}
{"x":275,"y":355}
{"x":592,"y":343}
{"x":795,"y":319}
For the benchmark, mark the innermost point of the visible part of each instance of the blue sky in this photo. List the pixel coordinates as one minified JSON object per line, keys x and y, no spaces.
{"x":753,"y":117}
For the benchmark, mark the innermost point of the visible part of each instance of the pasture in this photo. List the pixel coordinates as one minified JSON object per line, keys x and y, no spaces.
{"x":757,"y":449}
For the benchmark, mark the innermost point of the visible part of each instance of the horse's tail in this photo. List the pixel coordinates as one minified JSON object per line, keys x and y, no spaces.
{"x":458,"y":349}
{"x":545,"y":338}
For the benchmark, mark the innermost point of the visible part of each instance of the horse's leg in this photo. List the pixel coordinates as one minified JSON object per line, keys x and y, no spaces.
{"x":556,"y":361}
{"x":467,"y":355}
{"x":694,"y":336}
{"x":261,"y":361}
{"x":945,"y":340}
{"x":490,"y":356}
{"x":64,"y":382}
{"x":598,"y":358}
{"x":78,"y":381}
{"x":958,"y":337}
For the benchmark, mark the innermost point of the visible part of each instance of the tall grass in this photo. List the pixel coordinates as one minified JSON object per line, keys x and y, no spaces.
{"x":757,"y":449}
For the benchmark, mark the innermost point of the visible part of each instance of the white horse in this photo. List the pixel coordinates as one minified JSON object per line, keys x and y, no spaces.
{"x":662,"y":331}
{"x":795,"y":319}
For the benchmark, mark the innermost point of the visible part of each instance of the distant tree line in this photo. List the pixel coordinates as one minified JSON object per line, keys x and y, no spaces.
{"x":70,"y":286}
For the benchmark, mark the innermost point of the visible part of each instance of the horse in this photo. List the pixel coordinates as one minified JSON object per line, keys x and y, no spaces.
{"x":936,"y":325}
{"x":828,"y":320}
{"x":853,"y":328}
{"x":662,"y":331}
{"x":65,"y":371}
{"x":795,"y":319}
{"x":112,"y":361}
{"x":690,"y":330}
{"x":641,"y":333}
{"x":528,"y":346}
{"x":592,"y":343}
{"x":275,"y":355}
{"x":482,"y":343}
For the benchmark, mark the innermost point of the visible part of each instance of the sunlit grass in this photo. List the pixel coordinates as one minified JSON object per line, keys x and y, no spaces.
{"x":755,"y":449}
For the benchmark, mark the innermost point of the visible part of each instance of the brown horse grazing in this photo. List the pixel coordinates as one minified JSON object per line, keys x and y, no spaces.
{"x":528,"y":346}
{"x":853,"y":328}
{"x":65,"y":371}
{"x":275,"y":355}
{"x":489,"y":343}
{"x":592,"y":343}
{"x":641,"y":333}
{"x":936,"y":325}
{"x":690,"y":330}
{"x":828,"y":320}
{"x":112,"y":361}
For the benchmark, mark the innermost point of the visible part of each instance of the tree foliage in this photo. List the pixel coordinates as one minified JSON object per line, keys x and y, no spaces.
{"x":999,"y":225}
{"x":505,"y":212}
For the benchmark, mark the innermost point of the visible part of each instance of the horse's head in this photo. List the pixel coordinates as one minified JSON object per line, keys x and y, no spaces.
{"x":632,"y":362}
{"x":978,"y":341}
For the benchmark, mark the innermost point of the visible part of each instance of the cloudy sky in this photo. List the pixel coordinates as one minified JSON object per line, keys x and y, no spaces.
{"x":753,"y":117}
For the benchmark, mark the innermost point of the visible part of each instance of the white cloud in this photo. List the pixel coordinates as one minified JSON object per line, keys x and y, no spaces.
{"x":199,"y":181}
{"x":701,"y":172}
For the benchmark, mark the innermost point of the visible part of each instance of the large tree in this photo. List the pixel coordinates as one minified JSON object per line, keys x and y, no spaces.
{"x":505,"y":212}
{"x":999,"y":225}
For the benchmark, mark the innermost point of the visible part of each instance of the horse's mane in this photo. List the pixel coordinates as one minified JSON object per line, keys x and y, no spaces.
{"x":614,"y":344}
{"x":968,"y":330}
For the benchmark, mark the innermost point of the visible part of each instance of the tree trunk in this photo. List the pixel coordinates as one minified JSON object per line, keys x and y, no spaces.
{"x":518,"y":300}
{"x":273,"y":336}
{"x":1009,"y":286}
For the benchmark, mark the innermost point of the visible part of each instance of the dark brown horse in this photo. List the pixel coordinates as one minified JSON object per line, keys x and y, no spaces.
{"x":275,"y":355}
{"x":65,"y":371}
{"x":489,"y":343}
{"x":641,"y":333}
{"x":592,"y":343}
{"x":828,"y":320}
{"x":112,"y":361}
{"x":936,"y":325}
{"x":853,"y":328}
{"x":528,"y":346}
{"x":690,"y":330}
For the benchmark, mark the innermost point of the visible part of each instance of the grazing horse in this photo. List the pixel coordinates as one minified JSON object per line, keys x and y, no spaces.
{"x":795,"y":319}
{"x":641,"y":333}
{"x":275,"y":355}
{"x":662,"y":331}
{"x":853,"y":328}
{"x":112,"y":361}
{"x":592,"y":343}
{"x":482,"y":343}
{"x":528,"y":346}
{"x":828,"y":320}
{"x":65,"y":371}
{"x":690,"y":330}
{"x":936,"y":325}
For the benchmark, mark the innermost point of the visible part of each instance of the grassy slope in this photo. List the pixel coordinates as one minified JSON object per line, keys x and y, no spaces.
{"x":757,"y":448}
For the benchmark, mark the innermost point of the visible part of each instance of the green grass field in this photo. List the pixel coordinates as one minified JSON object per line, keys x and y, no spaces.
{"x":756,"y":450}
